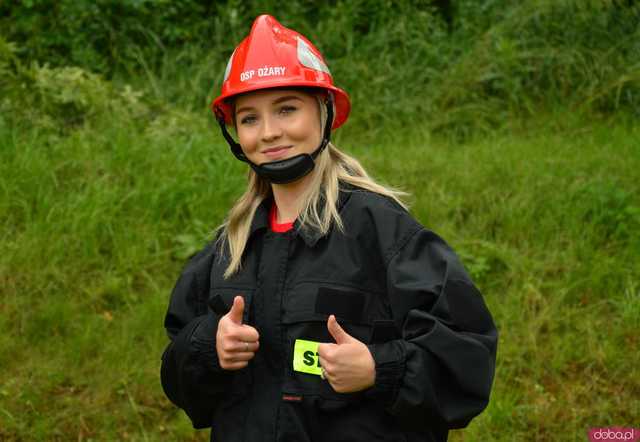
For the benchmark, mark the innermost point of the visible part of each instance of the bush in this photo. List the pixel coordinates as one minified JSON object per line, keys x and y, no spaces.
{"x":60,"y":98}
{"x":400,"y":62}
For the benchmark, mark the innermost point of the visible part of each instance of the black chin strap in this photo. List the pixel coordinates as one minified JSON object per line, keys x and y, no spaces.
{"x":289,"y":169}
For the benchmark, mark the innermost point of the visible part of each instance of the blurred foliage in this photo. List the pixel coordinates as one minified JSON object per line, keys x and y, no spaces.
{"x":62,"y":98}
{"x":100,"y":35}
{"x":401,"y":62}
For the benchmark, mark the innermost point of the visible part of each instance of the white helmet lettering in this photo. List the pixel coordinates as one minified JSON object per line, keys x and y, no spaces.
{"x":266,"y":71}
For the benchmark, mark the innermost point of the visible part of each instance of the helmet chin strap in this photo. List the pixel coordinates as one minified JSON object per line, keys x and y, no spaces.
{"x":287,"y":170}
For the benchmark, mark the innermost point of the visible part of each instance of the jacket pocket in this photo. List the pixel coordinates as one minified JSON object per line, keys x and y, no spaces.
{"x":306,"y":309}
{"x":363,"y":315}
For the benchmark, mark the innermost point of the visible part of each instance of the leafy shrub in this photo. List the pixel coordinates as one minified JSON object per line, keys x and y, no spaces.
{"x":73,"y":94}
{"x":60,"y":98}
{"x":100,"y":35}
{"x":400,"y":62}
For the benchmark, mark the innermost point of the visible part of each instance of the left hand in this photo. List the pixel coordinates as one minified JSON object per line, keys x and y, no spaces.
{"x":348,"y":363}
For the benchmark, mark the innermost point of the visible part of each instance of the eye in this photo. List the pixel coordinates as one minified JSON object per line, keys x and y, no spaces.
{"x":288,"y":109}
{"x":248,"y":119}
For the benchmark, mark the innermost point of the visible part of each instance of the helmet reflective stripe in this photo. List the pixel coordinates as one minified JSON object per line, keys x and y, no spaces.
{"x":227,"y":71}
{"x":307,"y":58}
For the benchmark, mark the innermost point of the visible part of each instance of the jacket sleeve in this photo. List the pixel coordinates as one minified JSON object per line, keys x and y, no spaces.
{"x":441,"y":370}
{"x":191,"y":375}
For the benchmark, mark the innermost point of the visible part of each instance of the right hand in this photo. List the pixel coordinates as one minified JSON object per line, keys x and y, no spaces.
{"x":232,"y":338}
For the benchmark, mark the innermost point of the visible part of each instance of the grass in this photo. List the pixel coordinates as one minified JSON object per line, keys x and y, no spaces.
{"x":492,"y":125}
{"x":96,"y":224}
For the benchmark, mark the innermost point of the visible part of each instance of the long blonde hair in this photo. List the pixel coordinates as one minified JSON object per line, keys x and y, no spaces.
{"x":320,"y":209}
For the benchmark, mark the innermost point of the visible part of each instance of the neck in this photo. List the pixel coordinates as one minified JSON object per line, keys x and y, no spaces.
{"x":289,"y":198}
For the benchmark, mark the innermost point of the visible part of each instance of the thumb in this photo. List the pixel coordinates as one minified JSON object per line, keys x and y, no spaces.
{"x":235,"y":314}
{"x":338,"y":333}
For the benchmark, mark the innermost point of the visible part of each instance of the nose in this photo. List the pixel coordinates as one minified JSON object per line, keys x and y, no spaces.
{"x":270,"y":130}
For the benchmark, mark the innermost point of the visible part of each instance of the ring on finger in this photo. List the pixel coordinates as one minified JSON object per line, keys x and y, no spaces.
{"x":246,"y":346}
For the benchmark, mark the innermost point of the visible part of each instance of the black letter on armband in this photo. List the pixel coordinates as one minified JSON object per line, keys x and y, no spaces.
{"x":308,"y":358}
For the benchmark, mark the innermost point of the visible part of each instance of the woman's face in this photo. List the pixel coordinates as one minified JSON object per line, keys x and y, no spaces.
{"x":274,"y":124}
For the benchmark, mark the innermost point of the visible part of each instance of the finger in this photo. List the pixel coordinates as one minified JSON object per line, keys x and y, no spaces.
{"x":242,"y":356}
{"x":326,"y":365}
{"x":247,"y":333}
{"x":232,"y":357}
{"x":242,"y":334}
{"x":246,"y":347}
{"x":338,"y":333}
{"x":332,"y":383}
{"x":236,"y":346}
{"x":325,"y":351}
{"x":237,"y":309}
{"x":234,"y":365}
{"x":323,"y":362}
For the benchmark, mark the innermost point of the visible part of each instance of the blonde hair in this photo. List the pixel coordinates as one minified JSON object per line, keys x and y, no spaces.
{"x":320,"y":198}
{"x":320,"y":209}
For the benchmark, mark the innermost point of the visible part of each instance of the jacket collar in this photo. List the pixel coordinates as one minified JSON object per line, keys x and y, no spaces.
{"x":308,"y":234}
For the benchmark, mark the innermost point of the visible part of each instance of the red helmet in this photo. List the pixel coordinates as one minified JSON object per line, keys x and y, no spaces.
{"x":274,"y":56}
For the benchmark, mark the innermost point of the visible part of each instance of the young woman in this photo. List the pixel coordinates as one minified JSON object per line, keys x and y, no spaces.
{"x":322,"y":310}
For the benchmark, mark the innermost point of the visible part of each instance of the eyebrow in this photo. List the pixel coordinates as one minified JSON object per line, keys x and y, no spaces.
{"x":277,"y":101}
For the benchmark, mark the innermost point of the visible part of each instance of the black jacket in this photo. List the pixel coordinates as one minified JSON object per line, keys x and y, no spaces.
{"x":391,"y":283}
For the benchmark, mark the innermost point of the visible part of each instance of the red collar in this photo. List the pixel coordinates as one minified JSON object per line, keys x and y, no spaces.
{"x":275,"y":227}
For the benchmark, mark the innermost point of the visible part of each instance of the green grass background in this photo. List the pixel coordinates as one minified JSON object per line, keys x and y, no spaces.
{"x":96,"y":227}
{"x":522,"y":152}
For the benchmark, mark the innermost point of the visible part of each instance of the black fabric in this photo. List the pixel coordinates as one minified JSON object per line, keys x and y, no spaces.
{"x":391,"y":283}
{"x":384,"y":330}
{"x":218,"y":306}
{"x":344,"y":304}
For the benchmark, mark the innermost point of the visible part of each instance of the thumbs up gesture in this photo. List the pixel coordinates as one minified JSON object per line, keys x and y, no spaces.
{"x":347,"y":364}
{"x":236,"y":343}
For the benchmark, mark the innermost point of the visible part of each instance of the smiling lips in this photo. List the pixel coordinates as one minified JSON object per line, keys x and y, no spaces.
{"x":275,"y":151}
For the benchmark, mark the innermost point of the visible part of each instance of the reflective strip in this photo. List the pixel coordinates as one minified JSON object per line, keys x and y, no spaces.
{"x":307,"y":58}
{"x":305,"y":357}
{"x":227,"y":71}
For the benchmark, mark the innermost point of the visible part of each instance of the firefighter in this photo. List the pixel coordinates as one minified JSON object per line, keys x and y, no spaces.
{"x":322,"y":310}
